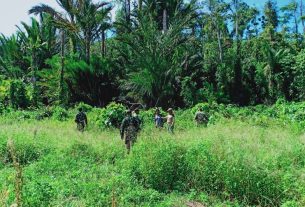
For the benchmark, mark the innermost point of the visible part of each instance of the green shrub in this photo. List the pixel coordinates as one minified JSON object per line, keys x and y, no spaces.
{"x":44,"y":113}
{"x":18,"y":98}
{"x":60,"y":113}
{"x":111,"y":116}
{"x":82,"y":151}
{"x":26,"y":152}
{"x":291,"y":204}
{"x":157,"y":164}
{"x":203,"y":170}
{"x":86,"y":108}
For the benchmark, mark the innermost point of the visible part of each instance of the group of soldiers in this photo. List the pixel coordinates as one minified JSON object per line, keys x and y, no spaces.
{"x":131,"y":124}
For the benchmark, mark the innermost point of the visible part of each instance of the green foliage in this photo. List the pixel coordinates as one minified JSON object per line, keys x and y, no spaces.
{"x":157,"y":165}
{"x":86,"y":108}
{"x":111,"y":116}
{"x":18,"y":98}
{"x":60,"y":113}
{"x":299,"y":79}
{"x":248,"y":156}
{"x":44,"y":113}
{"x":26,"y":152}
{"x":160,"y":56}
{"x":4,"y":91}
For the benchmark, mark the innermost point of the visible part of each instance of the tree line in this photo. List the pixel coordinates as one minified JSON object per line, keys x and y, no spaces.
{"x":155,"y":52}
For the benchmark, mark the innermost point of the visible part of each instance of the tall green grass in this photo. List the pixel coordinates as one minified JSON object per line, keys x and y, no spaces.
{"x":231,"y":163}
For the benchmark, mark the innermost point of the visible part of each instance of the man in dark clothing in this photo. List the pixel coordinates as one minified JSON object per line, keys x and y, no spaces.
{"x":136,"y":116}
{"x":129,"y":128}
{"x":81,"y":120}
{"x":201,"y":118}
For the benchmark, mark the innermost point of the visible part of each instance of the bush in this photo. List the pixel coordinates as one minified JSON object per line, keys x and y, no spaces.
{"x":60,"y":113}
{"x":157,"y":164}
{"x":26,"y":152}
{"x":203,"y":170}
{"x":111,"y":116}
{"x":86,"y":108}
{"x":44,"y":113}
{"x":18,"y":96}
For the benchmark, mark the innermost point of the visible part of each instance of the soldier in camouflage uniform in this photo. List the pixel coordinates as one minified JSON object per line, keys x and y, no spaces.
{"x":129,"y":128}
{"x":201,"y":118}
{"x":135,"y":114}
{"x":81,"y":120}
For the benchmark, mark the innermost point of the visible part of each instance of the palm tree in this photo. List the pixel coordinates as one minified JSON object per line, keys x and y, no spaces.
{"x":153,"y":60}
{"x":92,"y":19}
{"x":65,"y":25}
{"x":11,"y":57}
{"x":32,"y":42}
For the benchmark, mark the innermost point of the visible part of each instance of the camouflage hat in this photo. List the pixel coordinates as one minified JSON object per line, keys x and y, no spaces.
{"x":170,"y":109}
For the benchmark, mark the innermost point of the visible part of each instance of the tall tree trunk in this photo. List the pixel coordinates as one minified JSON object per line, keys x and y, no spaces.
{"x":237,"y":87}
{"x":34,"y":78}
{"x":103,"y":43}
{"x":72,"y":45}
{"x":219,"y":44}
{"x":62,"y":66}
{"x":164,"y":20}
{"x":140,"y":4}
{"x":87,"y":48}
{"x":296,"y":21}
{"x":301,"y":13}
{"x":127,"y":10}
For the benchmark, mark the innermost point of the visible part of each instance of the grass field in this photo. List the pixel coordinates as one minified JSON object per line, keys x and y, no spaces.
{"x":231,"y":163}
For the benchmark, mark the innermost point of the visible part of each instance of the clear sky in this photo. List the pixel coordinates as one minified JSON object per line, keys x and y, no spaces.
{"x":12,"y":12}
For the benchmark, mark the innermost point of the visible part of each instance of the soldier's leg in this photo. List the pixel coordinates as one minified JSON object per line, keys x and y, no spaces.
{"x":80,"y":127}
{"x":127,"y":143}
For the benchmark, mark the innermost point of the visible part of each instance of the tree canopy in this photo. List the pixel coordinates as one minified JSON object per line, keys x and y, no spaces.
{"x":158,"y":53}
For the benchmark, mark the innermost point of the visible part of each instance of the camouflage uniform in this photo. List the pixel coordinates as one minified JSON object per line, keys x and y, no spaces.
{"x":129,"y":128}
{"x":139,"y":121}
{"x":201,"y":118}
{"x":81,"y":120}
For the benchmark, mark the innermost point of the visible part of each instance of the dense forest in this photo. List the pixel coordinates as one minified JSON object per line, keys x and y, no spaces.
{"x":155,"y":52}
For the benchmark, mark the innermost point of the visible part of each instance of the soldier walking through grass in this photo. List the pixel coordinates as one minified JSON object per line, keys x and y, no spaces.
{"x":137,"y":117}
{"x":81,"y":120}
{"x":129,"y":129}
{"x":201,"y":118}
